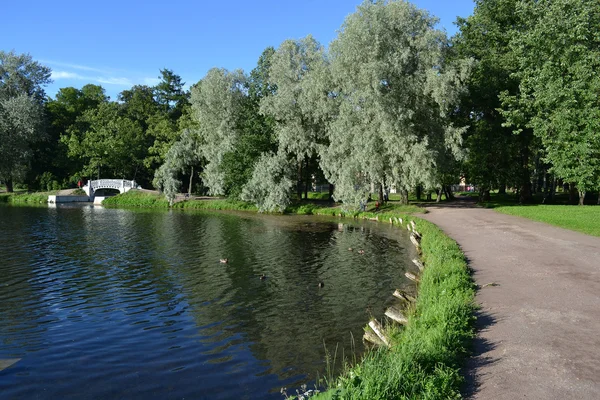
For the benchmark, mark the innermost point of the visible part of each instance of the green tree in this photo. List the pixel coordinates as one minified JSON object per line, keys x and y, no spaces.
{"x":184,"y":153}
{"x":21,"y":113}
{"x":496,"y":155}
{"x":170,"y":94}
{"x":394,"y":92}
{"x":298,"y":128}
{"x":217,"y":103}
{"x":558,"y":57}
{"x":110,"y":144}
{"x":256,"y":130}
{"x":62,"y":113}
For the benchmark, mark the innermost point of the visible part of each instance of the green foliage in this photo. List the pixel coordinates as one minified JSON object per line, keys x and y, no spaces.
{"x":270,"y":187}
{"x":21,"y":113}
{"x":49,"y":182}
{"x":558,"y":56}
{"x":107,"y":141}
{"x":185,"y":153}
{"x":217,"y":102}
{"x":393,"y":92}
{"x":494,"y":152}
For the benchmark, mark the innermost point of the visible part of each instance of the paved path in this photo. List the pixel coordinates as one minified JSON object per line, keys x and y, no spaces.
{"x":539,"y":334}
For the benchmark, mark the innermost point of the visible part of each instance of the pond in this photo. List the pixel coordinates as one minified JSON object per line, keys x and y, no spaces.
{"x":109,"y":303}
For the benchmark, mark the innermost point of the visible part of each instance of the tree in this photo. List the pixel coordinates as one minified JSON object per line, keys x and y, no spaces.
{"x":170,"y":93}
{"x":298,"y":128}
{"x":394,"y":92}
{"x":256,"y":130}
{"x":217,"y":102}
{"x":109,"y":142}
{"x":185,"y":153}
{"x":558,"y":57}
{"x":270,"y":187}
{"x":62,"y":114}
{"x":497,"y":154}
{"x":21,"y":113}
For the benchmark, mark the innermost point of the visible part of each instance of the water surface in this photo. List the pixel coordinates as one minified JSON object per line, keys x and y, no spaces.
{"x":105,"y":303}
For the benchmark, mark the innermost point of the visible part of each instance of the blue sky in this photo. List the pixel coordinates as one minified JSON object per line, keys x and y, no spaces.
{"x":121,"y":43}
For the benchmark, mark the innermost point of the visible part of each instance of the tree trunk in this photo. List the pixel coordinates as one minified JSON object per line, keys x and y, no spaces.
{"x":403,"y":196}
{"x":419,"y":192}
{"x":484,"y":195}
{"x":9,"y":186}
{"x":581,"y":197}
{"x":429,"y":196}
{"x":502,"y":188}
{"x":525,"y":192}
{"x":331,"y":189}
{"x":191,"y":181}
{"x":572,"y":193}
{"x":439,"y":195}
{"x":380,"y":194}
{"x":299,"y":181}
{"x":307,"y":180}
{"x":598,"y":198}
{"x":449,"y":194}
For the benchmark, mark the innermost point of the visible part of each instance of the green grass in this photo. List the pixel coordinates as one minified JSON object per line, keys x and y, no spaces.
{"x":135,"y":198}
{"x":25,"y":198}
{"x":584,"y":219}
{"x":426,"y":356}
{"x":216,"y":204}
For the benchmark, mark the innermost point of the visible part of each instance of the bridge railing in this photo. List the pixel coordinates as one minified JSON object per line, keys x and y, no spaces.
{"x":120,"y":184}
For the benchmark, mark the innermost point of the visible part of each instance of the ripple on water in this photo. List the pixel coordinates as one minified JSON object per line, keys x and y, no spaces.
{"x":104,"y":303}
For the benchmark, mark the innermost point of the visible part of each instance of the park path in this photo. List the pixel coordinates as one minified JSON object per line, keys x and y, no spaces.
{"x":539,"y":322}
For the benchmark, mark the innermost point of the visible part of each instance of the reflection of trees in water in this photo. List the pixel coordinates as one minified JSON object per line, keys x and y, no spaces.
{"x":287,"y":317}
{"x":163,"y":265}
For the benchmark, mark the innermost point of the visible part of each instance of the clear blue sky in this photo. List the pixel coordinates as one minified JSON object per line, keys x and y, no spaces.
{"x":121,"y":43}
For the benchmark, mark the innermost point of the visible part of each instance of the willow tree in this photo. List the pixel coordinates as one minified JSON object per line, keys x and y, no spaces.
{"x":298,"y":127}
{"x":393,"y":93}
{"x":184,"y":154}
{"x":217,"y":104}
{"x":558,"y":58}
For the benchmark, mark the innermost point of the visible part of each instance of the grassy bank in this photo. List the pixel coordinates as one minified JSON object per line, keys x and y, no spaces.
{"x":136,"y":198}
{"x":426,"y":356}
{"x":25,"y":198}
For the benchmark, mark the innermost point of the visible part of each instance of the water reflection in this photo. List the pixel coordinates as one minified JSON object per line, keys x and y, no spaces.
{"x":104,"y":303}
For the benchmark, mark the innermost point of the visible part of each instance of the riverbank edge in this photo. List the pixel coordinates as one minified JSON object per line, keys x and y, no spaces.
{"x":427,"y":356}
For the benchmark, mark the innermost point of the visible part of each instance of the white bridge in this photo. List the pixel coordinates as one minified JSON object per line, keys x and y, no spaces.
{"x":121,"y":185}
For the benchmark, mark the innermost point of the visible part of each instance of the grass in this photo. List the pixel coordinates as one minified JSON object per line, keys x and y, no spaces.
{"x":25,"y":198}
{"x":426,"y":356}
{"x":585,"y":219}
{"x":136,"y":198}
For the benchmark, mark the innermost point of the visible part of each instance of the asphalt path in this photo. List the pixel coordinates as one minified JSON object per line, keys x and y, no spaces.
{"x":539,"y":292}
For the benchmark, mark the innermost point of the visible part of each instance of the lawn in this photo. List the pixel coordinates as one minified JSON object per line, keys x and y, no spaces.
{"x":585,"y":219}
